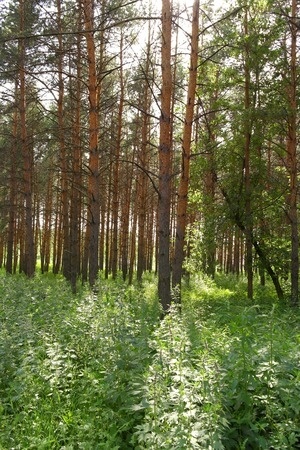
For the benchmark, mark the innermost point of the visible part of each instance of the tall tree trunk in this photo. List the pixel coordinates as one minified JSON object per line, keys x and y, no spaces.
{"x":62,"y":148}
{"x":182,"y":201}
{"x":12,"y":192}
{"x":45,"y":249}
{"x":247,"y":157}
{"x":20,"y":236}
{"x":133,"y":241}
{"x":57,"y":239}
{"x":116,"y":175}
{"x":151,"y":232}
{"x":165,"y":159}
{"x":292,"y":158}
{"x":29,"y":259}
{"x":108,"y":227}
{"x":103,"y":157}
{"x":75,"y":204}
{"x":237,"y":252}
{"x":93,"y":216}
{"x":125,"y":219}
{"x":209,"y":219}
{"x":229,"y":253}
{"x":143,"y":161}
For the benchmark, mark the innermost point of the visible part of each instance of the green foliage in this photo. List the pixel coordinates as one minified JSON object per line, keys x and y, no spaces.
{"x":100,"y":371}
{"x":224,"y":375}
{"x":68,"y":365}
{"x":184,"y":409}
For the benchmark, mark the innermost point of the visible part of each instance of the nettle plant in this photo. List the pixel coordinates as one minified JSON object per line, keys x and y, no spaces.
{"x":224,"y":375}
{"x":181,"y":396}
{"x":102,"y":371}
{"x":261,"y":384}
{"x":68,"y":363}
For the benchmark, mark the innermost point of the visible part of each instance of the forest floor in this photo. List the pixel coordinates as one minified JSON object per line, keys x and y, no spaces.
{"x":101,"y":371}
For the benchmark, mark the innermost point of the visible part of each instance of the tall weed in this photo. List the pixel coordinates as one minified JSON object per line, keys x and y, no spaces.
{"x":225,"y":375}
{"x":69,"y":364}
{"x":101,"y":371}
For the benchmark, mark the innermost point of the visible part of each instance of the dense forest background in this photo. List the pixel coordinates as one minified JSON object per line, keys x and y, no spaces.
{"x":150,"y":137}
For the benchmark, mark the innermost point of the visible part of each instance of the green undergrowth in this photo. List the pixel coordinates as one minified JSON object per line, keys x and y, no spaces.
{"x":69,"y":364}
{"x":99,"y":370}
{"x":225,"y":374}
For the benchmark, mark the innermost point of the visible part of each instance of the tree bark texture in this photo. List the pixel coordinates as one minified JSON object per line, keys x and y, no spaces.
{"x":116,"y":175}
{"x":182,"y":200}
{"x":28,"y":257}
{"x":93,"y":213}
{"x":165,"y":158}
{"x":292,"y":159}
{"x":247,"y":159}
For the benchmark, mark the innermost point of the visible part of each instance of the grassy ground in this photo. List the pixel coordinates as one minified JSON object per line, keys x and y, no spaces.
{"x":103,"y":372}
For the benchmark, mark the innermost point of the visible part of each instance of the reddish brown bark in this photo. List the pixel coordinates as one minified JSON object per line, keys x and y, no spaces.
{"x":182,"y":201}
{"x":291,"y":146}
{"x":93,"y":213}
{"x":165,"y":161}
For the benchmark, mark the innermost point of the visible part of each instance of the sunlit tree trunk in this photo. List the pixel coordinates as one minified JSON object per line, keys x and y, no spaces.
{"x":182,"y":200}
{"x":165,"y":160}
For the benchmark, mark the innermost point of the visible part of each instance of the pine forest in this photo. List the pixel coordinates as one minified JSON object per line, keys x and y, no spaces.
{"x":149,"y":249}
